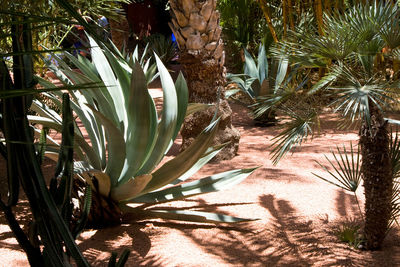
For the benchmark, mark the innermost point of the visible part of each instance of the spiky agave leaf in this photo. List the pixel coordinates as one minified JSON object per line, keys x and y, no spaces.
{"x":204,"y":185}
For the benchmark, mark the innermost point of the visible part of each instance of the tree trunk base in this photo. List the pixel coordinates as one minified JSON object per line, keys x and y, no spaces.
{"x":378,"y":179}
{"x":195,"y":123}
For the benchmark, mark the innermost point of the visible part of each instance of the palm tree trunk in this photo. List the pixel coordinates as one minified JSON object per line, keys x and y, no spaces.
{"x":378,"y":180}
{"x":196,"y":27}
{"x":318,"y":9}
{"x":264,"y":8}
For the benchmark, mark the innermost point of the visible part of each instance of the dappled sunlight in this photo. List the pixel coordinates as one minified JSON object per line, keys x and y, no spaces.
{"x":295,"y":214}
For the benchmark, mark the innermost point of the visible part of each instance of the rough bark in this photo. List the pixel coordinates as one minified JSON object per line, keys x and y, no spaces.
{"x":204,"y":77}
{"x":196,"y":27}
{"x":195,"y":123}
{"x":378,"y":179}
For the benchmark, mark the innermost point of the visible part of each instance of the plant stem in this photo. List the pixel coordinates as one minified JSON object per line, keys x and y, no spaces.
{"x":264,"y":8}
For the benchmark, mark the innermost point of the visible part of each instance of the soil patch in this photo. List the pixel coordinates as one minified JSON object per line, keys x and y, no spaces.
{"x":297,"y":214}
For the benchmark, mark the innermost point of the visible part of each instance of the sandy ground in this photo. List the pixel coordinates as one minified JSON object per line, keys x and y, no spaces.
{"x":297,"y":213}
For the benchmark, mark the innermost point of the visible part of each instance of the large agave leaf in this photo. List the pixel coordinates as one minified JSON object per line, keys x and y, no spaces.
{"x":116,"y":148}
{"x":43,"y":110}
{"x":243,"y":83}
{"x":123,"y":73}
{"x":250,"y":67}
{"x":99,"y":97}
{"x":56,"y":70}
{"x":83,"y":97}
{"x":231,"y":92}
{"x":113,"y":86}
{"x":79,"y":140}
{"x":85,"y":66}
{"x":183,"y":162}
{"x":194,"y":216}
{"x":262,"y":64}
{"x":102,"y":184}
{"x":92,"y":126}
{"x":211,"y":152}
{"x":208,"y":155}
{"x":142,"y":125}
{"x":183,"y":98}
{"x":166,"y":127}
{"x":82,"y":166}
{"x":208,"y":184}
{"x":50,"y":142}
{"x":151,"y":71}
{"x":131,"y":188}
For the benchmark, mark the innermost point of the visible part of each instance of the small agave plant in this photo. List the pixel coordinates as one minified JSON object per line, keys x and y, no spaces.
{"x":128,"y":139}
{"x":257,"y":82}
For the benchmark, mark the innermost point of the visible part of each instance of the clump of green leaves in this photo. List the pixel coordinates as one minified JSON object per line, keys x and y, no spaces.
{"x":162,"y":46}
{"x":350,"y":232}
{"x":259,"y":80}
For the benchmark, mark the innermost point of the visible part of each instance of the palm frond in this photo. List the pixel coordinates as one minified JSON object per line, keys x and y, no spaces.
{"x":394,"y":147}
{"x":395,"y":157}
{"x":273,"y":101}
{"x":347,"y":169}
{"x":297,"y":131}
{"x":395,"y":212}
{"x":353,"y":98}
{"x":329,"y":78}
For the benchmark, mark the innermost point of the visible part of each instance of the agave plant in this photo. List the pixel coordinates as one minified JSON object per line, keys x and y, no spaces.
{"x":257,"y":82}
{"x":163,"y":46}
{"x":128,"y":139}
